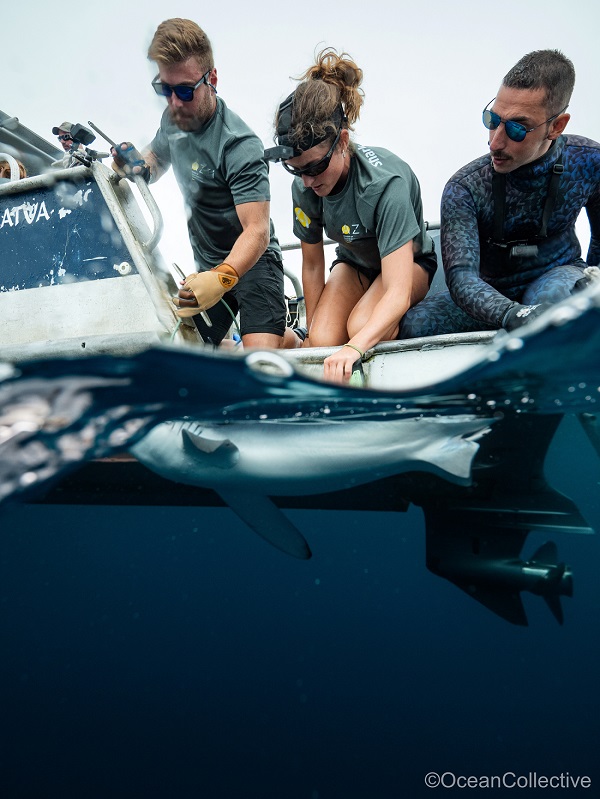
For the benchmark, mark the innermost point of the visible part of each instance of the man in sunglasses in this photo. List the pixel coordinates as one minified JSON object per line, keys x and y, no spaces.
{"x":219,"y":166}
{"x":509,"y":245}
{"x":63,"y":133}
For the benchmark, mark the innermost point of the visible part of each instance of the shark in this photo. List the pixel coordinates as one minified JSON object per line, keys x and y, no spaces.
{"x":246,"y":463}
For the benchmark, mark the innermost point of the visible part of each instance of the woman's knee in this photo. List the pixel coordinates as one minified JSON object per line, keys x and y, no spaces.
{"x":330,"y":335}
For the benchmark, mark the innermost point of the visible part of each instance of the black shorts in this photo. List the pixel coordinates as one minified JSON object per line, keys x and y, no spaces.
{"x":259,"y":298}
{"x":426,"y":260}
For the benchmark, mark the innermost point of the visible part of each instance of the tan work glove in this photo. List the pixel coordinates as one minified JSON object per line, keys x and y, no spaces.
{"x":202,"y":290}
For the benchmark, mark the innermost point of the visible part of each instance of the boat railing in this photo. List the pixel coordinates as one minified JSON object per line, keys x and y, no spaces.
{"x":81,"y":265}
{"x":140,"y":242}
{"x":154,"y":210}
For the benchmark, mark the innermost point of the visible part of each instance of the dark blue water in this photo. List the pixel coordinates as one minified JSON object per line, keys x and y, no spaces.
{"x":169,"y":652}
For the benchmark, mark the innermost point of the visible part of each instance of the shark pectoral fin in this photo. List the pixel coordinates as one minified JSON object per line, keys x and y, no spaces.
{"x":223,"y":454}
{"x":266,"y":519}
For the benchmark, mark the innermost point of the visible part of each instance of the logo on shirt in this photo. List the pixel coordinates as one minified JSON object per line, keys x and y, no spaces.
{"x":202,"y":172}
{"x":303,"y":218}
{"x":371,"y":156}
{"x":350,"y":232}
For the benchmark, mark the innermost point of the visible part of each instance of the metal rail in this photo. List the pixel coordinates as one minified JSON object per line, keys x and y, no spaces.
{"x":154,"y":210}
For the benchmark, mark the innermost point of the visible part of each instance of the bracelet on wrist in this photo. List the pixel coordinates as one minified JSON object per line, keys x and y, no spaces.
{"x":362,"y":355}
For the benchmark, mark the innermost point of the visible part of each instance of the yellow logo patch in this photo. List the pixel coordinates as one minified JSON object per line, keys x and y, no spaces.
{"x":303,"y":218}
{"x":345,"y":230}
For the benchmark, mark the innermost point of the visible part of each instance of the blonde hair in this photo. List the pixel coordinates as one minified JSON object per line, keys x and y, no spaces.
{"x":176,"y":40}
{"x":331,"y":84}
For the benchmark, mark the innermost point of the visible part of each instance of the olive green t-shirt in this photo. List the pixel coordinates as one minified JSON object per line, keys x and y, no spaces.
{"x":217,"y":167}
{"x":377,"y":212}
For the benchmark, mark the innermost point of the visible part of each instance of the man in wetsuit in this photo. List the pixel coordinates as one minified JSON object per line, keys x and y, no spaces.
{"x":219,"y":166}
{"x":509,"y":246}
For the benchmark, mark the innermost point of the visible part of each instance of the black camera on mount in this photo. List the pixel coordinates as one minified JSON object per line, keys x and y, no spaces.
{"x":279,"y":153}
{"x":81,"y":135}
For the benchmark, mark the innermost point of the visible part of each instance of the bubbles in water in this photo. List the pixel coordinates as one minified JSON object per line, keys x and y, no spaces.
{"x":28,"y":478}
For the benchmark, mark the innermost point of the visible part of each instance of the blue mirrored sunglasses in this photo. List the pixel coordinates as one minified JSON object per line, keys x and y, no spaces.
{"x":514,"y":130}
{"x":182,"y":92}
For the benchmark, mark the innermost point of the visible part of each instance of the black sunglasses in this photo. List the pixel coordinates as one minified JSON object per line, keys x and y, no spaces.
{"x":65,"y":137}
{"x":312,"y":170}
{"x":182,"y":92}
{"x":514,"y":130}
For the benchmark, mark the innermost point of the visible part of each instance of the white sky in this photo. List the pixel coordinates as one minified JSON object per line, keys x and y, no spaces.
{"x":429,"y":69}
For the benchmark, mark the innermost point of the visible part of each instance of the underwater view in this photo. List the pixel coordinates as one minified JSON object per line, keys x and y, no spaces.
{"x":152,"y":645}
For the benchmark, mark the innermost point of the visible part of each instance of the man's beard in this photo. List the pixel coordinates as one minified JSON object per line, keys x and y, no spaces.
{"x":191,"y":122}
{"x":185,"y":122}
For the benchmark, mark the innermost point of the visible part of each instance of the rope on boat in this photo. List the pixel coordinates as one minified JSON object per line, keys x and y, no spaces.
{"x":237,"y":327}
{"x":175,"y":329}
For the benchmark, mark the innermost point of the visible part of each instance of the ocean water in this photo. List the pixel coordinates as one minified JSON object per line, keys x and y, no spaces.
{"x":169,"y":652}
{"x":165,"y":650}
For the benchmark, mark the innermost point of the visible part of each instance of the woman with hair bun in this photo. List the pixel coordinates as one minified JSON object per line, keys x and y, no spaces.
{"x":367,"y":200}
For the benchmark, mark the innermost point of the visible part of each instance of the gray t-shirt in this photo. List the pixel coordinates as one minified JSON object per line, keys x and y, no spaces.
{"x":217,"y":167}
{"x":377,"y":212}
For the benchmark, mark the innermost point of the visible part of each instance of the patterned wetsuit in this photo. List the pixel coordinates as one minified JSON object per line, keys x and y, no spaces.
{"x":483,"y":280}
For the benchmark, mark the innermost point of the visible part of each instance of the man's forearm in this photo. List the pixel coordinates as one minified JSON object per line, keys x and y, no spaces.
{"x":248,"y":248}
{"x":476,"y":297}
{"x":157,"y":170}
